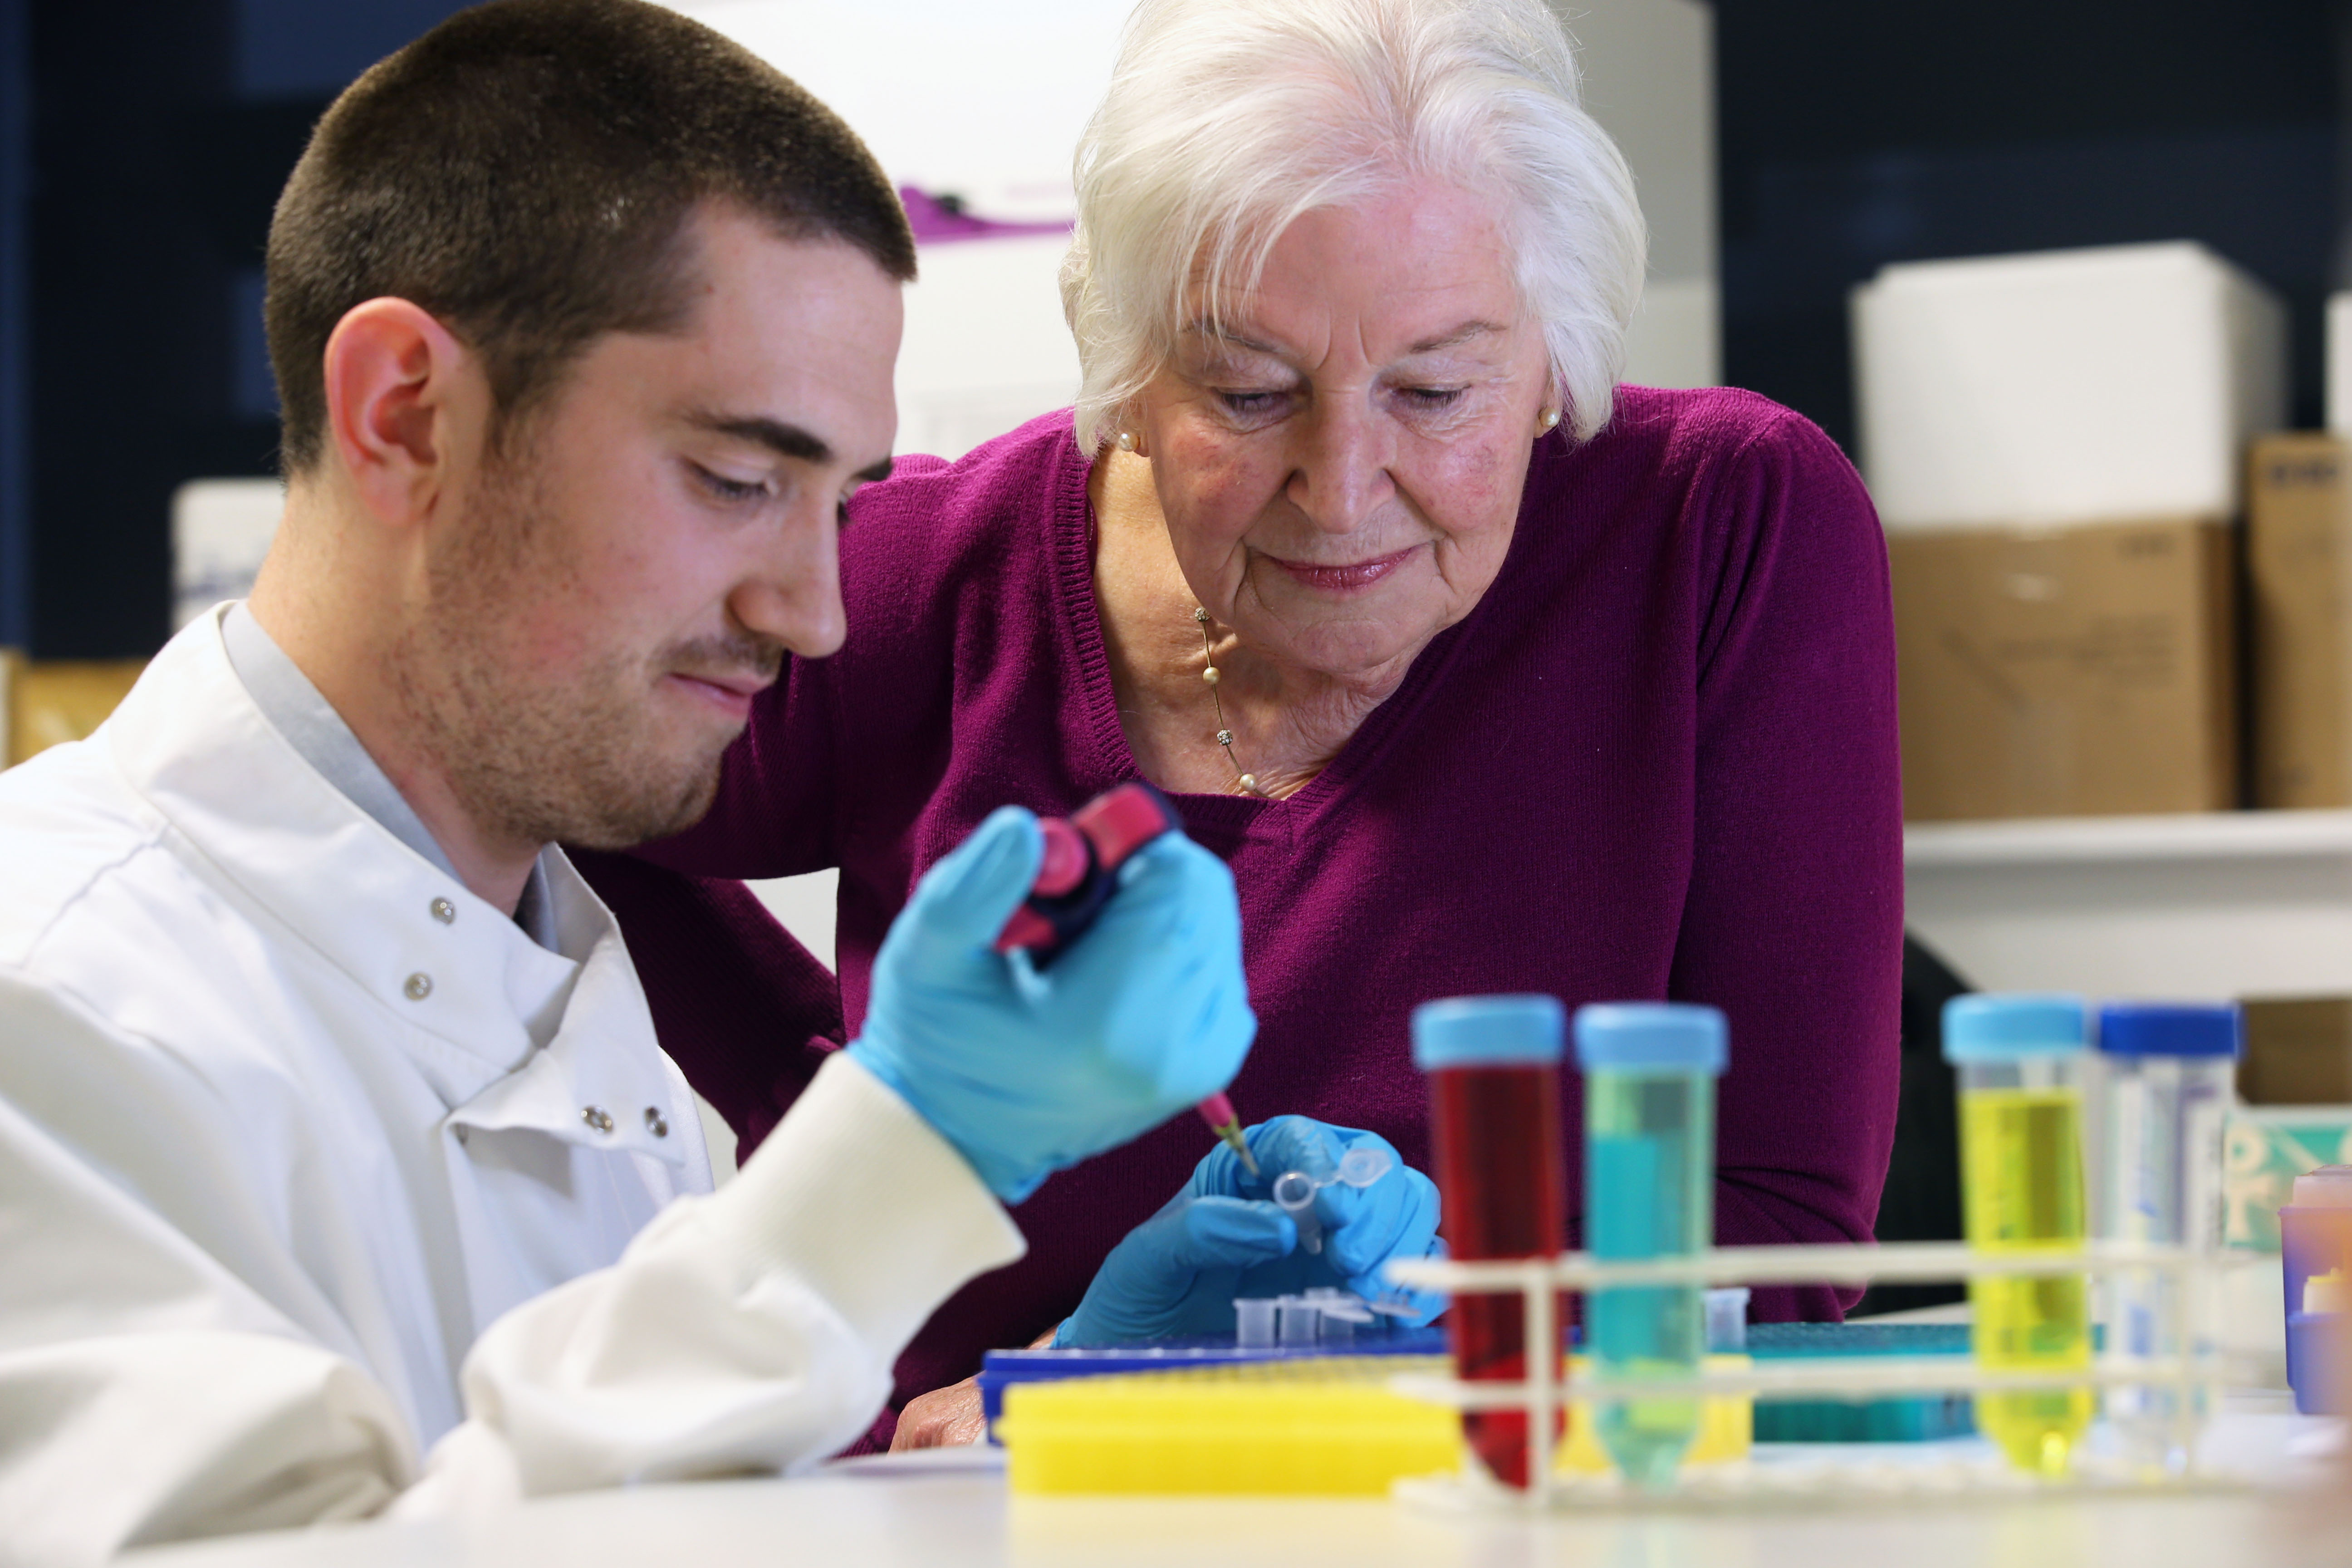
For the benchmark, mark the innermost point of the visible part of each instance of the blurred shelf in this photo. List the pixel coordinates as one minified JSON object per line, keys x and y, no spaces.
{"x":2092,"y":840}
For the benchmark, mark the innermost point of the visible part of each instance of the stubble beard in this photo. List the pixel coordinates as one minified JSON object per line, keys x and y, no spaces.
{"x":574,"y":756}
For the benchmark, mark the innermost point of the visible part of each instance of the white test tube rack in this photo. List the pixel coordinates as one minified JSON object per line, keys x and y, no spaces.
{"x":2194,"y":1377}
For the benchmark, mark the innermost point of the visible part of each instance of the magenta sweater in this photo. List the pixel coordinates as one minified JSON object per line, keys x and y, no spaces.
{"x":1658,"y":760}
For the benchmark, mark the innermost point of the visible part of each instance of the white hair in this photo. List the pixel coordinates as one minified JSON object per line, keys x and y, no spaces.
{"x":1226,"y":119}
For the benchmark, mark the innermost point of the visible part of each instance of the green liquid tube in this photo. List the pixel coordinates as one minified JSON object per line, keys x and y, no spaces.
{"x":2020,"y":1061}
{"x":1648,"y":1190}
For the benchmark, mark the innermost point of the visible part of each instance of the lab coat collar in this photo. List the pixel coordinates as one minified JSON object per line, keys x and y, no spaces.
{"x":507,"y":1032}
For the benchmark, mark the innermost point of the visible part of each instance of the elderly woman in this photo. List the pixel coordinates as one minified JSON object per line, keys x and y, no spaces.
{"x":1482,"y":672}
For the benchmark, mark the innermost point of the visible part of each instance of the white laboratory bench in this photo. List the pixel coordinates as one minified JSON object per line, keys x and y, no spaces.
{"x":950,"y":1507}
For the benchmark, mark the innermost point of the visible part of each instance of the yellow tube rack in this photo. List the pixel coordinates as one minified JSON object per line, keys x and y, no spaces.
{"x":1318,"y":1427}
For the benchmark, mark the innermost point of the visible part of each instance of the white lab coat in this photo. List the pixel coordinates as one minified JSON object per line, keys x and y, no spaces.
{"x":310,"y":1159}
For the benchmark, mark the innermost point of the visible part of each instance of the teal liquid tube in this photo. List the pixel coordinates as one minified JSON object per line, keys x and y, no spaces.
{"x":1649,"y":1191}
{"x":2169,"y":1069}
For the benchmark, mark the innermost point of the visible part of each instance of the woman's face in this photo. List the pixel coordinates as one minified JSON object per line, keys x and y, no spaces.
{"x":1340,"y":473}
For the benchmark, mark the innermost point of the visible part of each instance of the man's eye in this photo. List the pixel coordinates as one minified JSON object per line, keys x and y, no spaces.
{"x":734,"y":492}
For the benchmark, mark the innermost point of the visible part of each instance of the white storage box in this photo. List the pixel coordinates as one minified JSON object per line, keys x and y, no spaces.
{"x":220,"y":531}
{"x":2066,"y":386}
{"x":2339,"y":364}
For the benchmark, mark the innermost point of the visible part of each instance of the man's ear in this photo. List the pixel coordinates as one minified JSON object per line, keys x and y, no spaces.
{"x":406,"y":403}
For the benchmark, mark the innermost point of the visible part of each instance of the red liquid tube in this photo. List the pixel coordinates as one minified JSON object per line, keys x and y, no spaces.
{"x":1493,"y":1064}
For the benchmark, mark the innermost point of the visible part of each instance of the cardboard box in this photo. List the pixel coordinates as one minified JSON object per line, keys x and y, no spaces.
{"x":49,"y":703}
{"x":2298,"y":556}
{"x":2067,"y":386}
{"x":2057,"y":672}
{"x":2299,"y":1051}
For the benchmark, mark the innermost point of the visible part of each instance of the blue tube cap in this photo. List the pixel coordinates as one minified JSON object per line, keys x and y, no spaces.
{"x":1650,"y":1037}
{"x":1488,"y":1031}
{"x":2171,"y":1029}
{"x":2001,"y":1028}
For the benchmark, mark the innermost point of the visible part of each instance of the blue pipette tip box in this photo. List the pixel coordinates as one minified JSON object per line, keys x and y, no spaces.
{"x":1002,"y":1369}
{"x":1901,"y":1418}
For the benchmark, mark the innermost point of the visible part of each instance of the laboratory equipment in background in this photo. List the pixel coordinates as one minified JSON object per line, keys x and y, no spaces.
{"x":48,"y":703}
{"x":221,"y":530}
{"x":2315,"y":1234}
{"x":1493,"y":1064}
{"x":2055,"y":443}
{"x":2021,"y":1060}
{"x":1649,"y":1150}
{"x":2168,"y":1070}
{"x":1076,"y":878}
{"x":2064,"y":386}
{"x":2299,"y":613}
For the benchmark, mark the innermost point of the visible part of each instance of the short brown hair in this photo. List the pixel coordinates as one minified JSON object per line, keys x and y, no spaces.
{"x":525,"y":172}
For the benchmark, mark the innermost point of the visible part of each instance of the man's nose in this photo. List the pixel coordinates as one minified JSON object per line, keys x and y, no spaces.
{"x":1341,"y":472}
{"x":791,"y":590}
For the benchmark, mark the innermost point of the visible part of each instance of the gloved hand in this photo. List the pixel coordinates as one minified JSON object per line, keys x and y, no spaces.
{"x":1025,"y":1072}
{"x":1176,"y":1274}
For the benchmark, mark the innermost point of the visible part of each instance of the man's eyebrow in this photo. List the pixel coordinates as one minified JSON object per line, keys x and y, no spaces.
{"x":874,"y":474}
{"x":784,"y":440}
{"x":1461,"y":335}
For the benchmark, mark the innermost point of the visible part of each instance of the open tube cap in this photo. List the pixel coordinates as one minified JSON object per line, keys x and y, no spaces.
{"x":1650,"y":1037}
{"x":2171,"y":1029}
{"x":1488,"y":1031}
{"x":2003,"y":1027}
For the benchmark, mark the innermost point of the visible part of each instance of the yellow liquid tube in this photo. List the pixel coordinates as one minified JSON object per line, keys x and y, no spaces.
{"x":2020,"y":1061}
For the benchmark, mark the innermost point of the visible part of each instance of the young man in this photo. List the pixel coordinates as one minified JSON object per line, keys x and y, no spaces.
{"x":333,"y":1127}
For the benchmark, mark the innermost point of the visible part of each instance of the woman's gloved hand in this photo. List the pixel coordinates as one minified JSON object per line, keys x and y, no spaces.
{"x":1177,"y":1274}
{"x":1027,"y":1072}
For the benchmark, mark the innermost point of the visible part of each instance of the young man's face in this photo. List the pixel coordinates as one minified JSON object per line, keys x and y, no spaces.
{"x":615,"y":590}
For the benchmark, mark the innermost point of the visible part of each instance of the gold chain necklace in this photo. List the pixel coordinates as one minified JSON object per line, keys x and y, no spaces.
{"x":1248,"y":780}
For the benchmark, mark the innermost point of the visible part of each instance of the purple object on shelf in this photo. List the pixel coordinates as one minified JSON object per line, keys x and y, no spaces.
{"x":2316,"y":1240}
{"x":934,"y":220}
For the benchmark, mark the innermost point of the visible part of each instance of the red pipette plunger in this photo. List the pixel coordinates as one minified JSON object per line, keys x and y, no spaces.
{"x":1076,"y":880}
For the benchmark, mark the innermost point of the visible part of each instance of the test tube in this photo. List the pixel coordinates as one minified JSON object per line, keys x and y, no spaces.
{"x":2020,"y":1061}
{"x":1494,"y":1083}
{"x":2169,"y":1069}
{"x":1649,"y":1190}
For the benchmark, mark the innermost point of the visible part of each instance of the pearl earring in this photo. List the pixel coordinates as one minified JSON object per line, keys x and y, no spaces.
{"x":1126,"y":438}
{"x":1550,"y":420}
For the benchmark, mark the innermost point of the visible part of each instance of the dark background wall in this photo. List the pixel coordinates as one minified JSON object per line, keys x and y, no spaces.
{"x":143,"y":143}
{"x":154,"y":139}
{"x":1856,"y":133}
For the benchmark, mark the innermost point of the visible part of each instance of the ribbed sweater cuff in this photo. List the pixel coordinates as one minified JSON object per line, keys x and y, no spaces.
{"x":859,"y":1197}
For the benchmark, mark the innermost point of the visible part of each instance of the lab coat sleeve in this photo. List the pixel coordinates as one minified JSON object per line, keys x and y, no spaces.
{"x":148,"y":1391}
{"x":752,"y":1330}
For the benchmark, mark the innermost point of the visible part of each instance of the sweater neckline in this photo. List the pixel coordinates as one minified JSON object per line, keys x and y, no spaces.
{"x":1072,"y":521}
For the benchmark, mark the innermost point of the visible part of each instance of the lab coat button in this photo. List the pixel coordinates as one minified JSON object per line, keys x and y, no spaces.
{"x":418,"y":987}
{"x":444,"y":910}
{"x":595,"y":1116}
{"x":655,"y":1124}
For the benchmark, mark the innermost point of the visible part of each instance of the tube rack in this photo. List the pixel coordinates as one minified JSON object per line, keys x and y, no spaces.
{"x":2194,"y":1377}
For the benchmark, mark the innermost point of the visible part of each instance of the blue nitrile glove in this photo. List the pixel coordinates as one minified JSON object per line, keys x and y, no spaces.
{"x":1024,"y":1072}
{"x":1177,"y":1274}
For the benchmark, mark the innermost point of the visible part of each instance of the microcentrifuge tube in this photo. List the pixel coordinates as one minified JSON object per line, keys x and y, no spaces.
{"x":1295,"y":1190}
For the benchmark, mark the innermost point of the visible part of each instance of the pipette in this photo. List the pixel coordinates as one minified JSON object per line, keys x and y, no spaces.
{"x":1077,"y":878}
